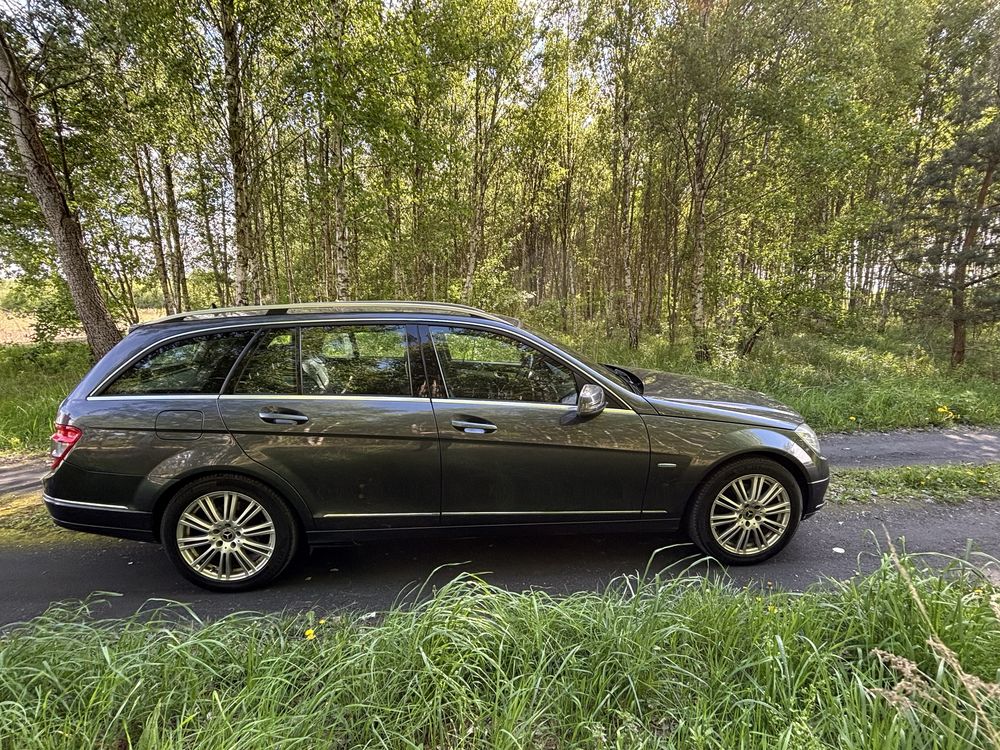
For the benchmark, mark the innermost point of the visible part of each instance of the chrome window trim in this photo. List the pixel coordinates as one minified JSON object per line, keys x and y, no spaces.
{"x":157,"y":397}
{"x":261,"y":396}
{"x":315,"y":396}
{"x":384,"y":318}
{"x":503,"y":402}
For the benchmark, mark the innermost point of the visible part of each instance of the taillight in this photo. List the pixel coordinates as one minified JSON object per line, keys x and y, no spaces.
{"x":63,"y":440}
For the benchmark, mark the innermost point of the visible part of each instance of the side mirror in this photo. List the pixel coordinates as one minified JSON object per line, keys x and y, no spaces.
{"x":591,"y":400}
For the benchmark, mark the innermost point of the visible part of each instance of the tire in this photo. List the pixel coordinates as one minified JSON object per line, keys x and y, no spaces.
{"x":229,"y":533}
{"x":755,"y":504}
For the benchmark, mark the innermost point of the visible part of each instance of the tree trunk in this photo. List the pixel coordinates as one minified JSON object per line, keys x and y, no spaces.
{"x":180,"y":275}
{"x":213,"y":253}
{"x":959,"y":288}
{"x":341,"y":257}
{"x":236,"y":137}
{"x":64,"y":224}
{"x":159,"y":259}
{"x":699,"y":195}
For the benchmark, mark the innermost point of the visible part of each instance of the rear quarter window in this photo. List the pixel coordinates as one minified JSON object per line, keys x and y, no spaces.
{"x":195,"y":365}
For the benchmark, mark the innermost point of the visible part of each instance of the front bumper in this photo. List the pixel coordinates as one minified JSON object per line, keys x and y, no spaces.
{"x":815,"y":497}
{"x":97,"y":518}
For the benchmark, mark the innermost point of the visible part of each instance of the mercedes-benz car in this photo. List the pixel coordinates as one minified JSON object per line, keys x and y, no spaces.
{"x":236,"y":436}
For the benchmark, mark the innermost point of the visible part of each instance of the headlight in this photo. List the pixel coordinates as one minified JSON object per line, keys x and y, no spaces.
{"x":806,"y":432}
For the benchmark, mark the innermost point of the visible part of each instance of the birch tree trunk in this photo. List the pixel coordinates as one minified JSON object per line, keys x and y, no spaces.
{"x":180,"y":273}
{"x":153,"y":220}
{"x":237,"y":142}
{"x":63,"y":223}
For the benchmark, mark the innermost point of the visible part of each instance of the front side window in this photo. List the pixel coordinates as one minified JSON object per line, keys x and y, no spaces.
{"x":355,"y":360}
{"x":485,"y":365}
{"x":190,"y":366}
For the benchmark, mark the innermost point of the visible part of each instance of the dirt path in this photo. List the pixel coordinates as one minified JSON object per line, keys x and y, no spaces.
{"x":866,"y":450}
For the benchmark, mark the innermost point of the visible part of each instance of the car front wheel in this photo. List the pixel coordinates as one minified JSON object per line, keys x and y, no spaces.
{"x":228,"y":533}
{"x":746,"y":512}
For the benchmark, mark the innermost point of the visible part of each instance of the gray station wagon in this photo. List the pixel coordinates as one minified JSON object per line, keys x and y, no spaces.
{"x":236,"y":436}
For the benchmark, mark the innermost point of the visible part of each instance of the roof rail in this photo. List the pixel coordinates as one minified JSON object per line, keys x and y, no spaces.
{"x":389,"y":306}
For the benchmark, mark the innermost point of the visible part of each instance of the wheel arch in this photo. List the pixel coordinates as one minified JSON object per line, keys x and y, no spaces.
{"x":797,"y":471}
{"x":168,"y":491}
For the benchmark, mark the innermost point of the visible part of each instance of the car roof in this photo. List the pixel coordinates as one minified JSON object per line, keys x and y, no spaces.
{"x":247,"y":313}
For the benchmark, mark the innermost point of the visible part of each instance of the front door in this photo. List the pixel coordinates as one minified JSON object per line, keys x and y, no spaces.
{"x":332,"y":410}
{"x":513,"y":448}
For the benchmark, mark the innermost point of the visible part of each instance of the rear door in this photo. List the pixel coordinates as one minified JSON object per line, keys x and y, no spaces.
{"x":513,"y":448}
{"x":332,"y":409}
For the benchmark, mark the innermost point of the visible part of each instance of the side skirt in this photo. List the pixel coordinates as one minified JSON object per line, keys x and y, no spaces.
{"x":341,"y":537}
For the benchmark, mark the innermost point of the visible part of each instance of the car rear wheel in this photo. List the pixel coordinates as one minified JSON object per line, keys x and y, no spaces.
{"x":228,"y":533}
{"x":746,"y":512}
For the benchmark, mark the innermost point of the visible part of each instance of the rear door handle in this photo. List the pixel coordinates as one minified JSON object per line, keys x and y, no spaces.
{"x":473,"y":428}
{"x":286,"y":416}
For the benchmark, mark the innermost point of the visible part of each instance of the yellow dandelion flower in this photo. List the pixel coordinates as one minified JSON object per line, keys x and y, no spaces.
{"x":853,"y":419}
{"x":322,"y":621}
{"x":310,"y":634}
{"x":943,"y":409}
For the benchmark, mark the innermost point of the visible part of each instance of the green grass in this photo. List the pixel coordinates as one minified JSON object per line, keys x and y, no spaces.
{"x":949,"y":484}
{"x":838,"y":382}
{"x":34,"y":379}
{"x":674,"y":663}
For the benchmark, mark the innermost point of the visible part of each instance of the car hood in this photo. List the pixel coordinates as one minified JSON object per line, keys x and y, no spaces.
{"x":685,"y":395}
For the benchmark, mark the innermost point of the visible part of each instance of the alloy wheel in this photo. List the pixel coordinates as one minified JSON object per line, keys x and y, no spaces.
{"x":750,"y":515}
{"x":225,"y":536}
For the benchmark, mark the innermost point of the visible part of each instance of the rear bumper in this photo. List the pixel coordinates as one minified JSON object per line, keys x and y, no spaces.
{"x":97,"y":518}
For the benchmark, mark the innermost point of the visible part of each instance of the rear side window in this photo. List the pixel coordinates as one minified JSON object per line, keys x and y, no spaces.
{"x":329,"y":361}
{"x":355,"y":360}
{"x":189,"y":366}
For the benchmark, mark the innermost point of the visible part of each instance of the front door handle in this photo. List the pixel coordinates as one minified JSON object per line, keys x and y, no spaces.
{"x":473,"y":428}
{"x":285,"y":416}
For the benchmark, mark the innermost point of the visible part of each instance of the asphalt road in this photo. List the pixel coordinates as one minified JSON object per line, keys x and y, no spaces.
{"x":837,"y":543}
{"x":371,"y":577}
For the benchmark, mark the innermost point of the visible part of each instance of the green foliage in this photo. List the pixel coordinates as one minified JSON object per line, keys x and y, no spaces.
{"x":732,"y":167}
{"x":33,"y":382}
{"x":672,"y":662}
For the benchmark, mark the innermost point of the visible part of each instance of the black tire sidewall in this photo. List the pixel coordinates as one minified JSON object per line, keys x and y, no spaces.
{"x":286,"y":531}
{"x":699,"y":527}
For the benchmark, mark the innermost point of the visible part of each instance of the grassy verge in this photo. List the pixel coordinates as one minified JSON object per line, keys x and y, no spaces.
{"x":876,"y":663}
{"x":949,"y":484}
{"x":24,"y":520}
{"x":33,"y":382}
